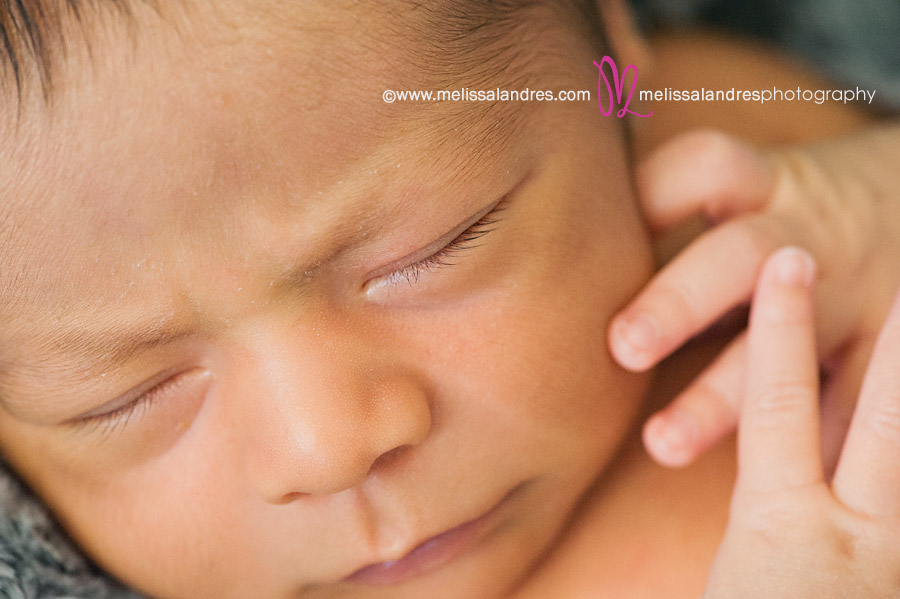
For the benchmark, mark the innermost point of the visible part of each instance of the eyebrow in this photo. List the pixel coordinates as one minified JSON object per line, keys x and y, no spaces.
{"x":101,"y":350}
{"x":116,"y":346}
{"x":109,"y":346}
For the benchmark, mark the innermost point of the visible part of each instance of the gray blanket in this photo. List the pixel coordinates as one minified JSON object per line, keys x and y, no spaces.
{"x":37,"y":561}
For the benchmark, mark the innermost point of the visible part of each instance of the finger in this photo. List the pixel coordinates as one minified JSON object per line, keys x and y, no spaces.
{"x":778,"y":432}
{"x":868,"y":477}
{"x":713,"y":275}
{"x":701,"y":414}
{"x":702,"y":171}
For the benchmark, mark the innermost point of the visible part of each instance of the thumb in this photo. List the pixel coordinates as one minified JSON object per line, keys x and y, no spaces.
{"x":703,"y":171}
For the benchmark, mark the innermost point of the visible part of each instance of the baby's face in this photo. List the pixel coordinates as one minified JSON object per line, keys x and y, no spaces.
{"x":261,"y":330}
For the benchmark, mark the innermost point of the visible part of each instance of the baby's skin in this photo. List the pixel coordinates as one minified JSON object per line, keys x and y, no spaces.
{"x":265,"y":335}
{"x":815,"y":507}
{"x":835,"y":198}
{"x":793,"y":533}
{"x":311,"y":404}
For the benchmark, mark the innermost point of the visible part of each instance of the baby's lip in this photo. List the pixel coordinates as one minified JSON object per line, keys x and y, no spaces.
{"x":433,"y":552}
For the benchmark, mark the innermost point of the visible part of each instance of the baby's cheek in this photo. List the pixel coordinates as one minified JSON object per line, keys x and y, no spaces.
{"x":172,"y":527}
{"x":552,"y":346}
{"x":532,"y":358}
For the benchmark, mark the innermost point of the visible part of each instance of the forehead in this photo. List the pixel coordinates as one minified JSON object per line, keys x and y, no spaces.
{"x":192,"y":121}
{"x":324,"y":65}
{"x":41,"y":41}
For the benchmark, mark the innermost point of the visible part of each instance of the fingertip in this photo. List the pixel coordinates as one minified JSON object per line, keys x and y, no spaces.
{"x":669,"y":441}
{"x":793,"y":266}
{"x":633,"y":340}
{"x":782,"y":297}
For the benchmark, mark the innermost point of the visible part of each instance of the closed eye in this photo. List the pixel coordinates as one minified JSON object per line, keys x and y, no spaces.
{"x":170,"y":389}
{"x":450,"y":253}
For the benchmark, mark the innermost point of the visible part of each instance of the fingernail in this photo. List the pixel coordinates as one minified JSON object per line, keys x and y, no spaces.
{"x":795,"y":266}
{"x":640,"y":333}
{"x":673,"y":437}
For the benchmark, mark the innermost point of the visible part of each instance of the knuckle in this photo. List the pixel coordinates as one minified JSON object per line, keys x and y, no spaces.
{"x":732,"y":172}
{"x":782,"y":397}
{"x":742,"y":246}
{"x":785,"y":514}
{"x":788,"y":317}
{"x":784,"y":313}
{"x":751,"y":240}
{"x":767,"y":518}
{"x":829,"y":211}
{"x":683,"y":301}
{"x":736,"y":247}
{"x":883,"y":419}
{"x":711,"y":144}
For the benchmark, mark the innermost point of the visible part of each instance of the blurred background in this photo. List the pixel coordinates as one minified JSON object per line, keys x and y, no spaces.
{"x":852,"y":42}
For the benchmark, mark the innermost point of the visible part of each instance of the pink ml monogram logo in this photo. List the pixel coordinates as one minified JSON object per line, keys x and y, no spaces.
{"x":614,"y":91}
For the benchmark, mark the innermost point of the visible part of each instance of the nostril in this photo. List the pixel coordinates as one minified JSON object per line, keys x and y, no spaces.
{"x":389,"y":458}
{"x":289,"y":497}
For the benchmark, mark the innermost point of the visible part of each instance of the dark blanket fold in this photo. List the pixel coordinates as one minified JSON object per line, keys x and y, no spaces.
{"x":37,"y":561}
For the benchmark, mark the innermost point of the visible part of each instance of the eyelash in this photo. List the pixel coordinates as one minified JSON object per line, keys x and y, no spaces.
{"x":108,"y":422}
{"x":440,"y":258}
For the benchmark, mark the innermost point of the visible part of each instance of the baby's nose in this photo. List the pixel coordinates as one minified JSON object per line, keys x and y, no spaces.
{"x":321,"y":422}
